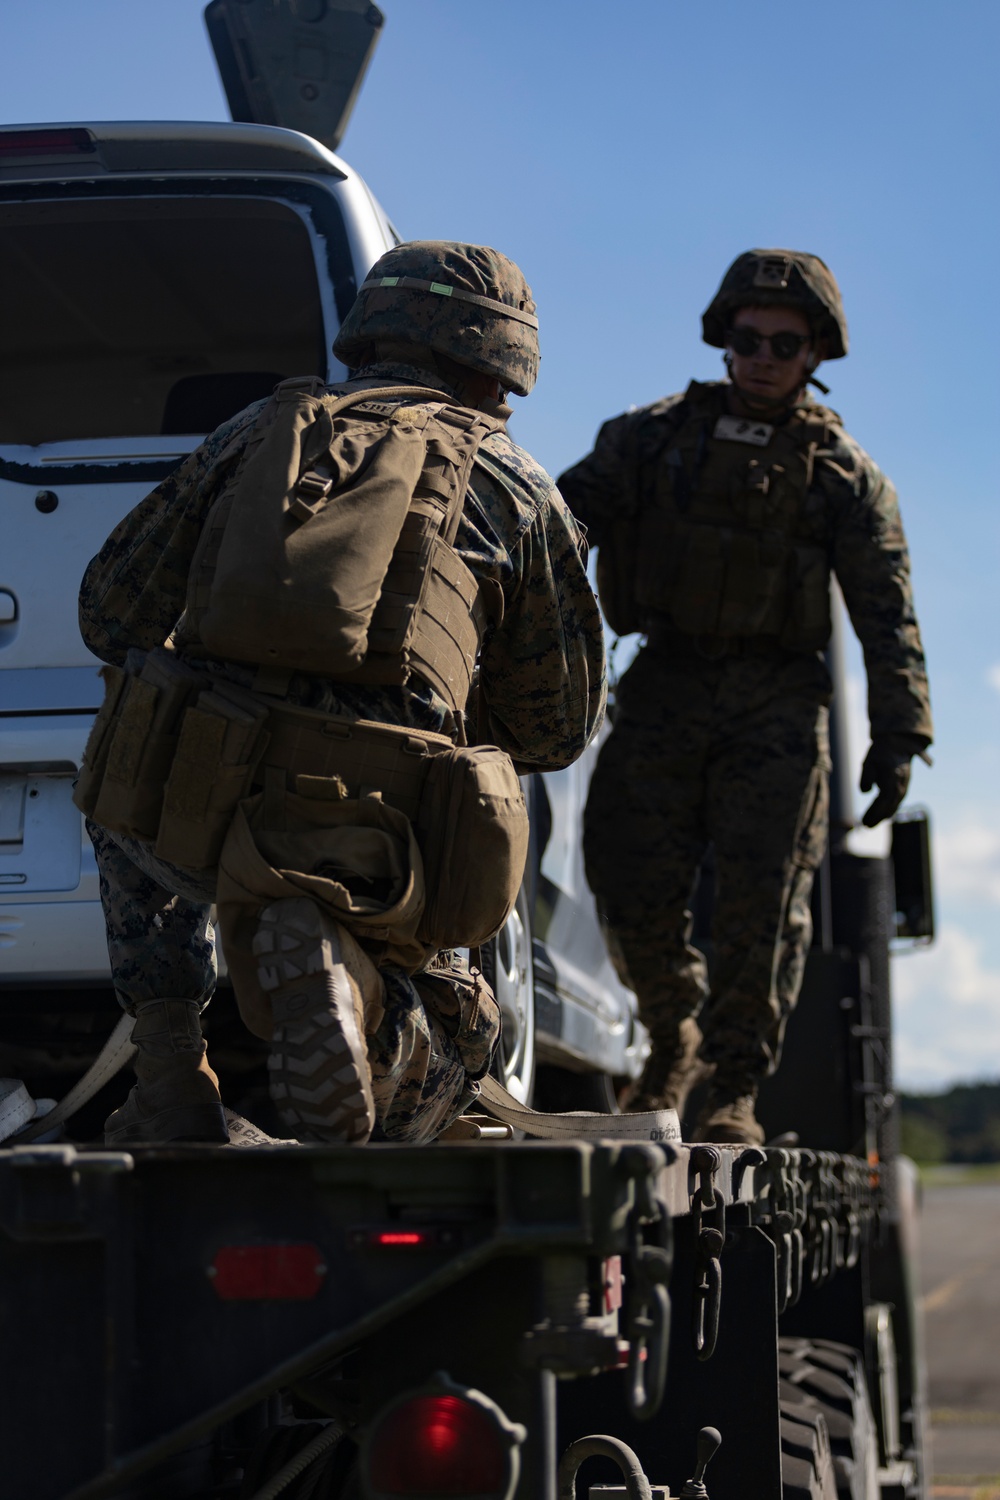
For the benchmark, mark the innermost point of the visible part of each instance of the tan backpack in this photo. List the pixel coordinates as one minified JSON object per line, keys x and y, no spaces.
{"x":330,"y":549}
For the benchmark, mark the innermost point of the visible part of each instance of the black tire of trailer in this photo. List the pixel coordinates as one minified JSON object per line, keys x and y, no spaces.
{"x":807,"y":1471}
{"x":818,"y":1376}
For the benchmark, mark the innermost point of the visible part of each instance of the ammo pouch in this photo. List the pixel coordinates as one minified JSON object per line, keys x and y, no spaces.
{"x":170,"y":757}
{"x":95,"y":756}
{"x":133,"y":742}
{"x":220,"y":742}
{"x":464,"y":803}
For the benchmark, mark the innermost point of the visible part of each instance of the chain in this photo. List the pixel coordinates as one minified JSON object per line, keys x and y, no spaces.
{"x":709,"y":1239}
{"x":648,"y":1264}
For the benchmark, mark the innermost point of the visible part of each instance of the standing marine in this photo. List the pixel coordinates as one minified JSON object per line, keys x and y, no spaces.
{"x":304,"y":625}
{"x":719,"y":515}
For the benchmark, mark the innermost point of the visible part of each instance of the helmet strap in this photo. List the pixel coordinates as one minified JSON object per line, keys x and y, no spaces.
{"x":498,"y":409}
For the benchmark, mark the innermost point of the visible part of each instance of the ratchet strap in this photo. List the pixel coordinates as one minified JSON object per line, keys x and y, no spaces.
{"x":116,"y":1052}
{"x":657,"y":1125}
{"x":19,"y":1125}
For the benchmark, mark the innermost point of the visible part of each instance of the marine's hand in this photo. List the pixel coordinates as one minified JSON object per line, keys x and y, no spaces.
{"x":888,"y":768}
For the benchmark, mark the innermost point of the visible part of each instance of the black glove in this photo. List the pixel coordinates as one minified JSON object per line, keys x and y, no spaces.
{"x":887,"y":766}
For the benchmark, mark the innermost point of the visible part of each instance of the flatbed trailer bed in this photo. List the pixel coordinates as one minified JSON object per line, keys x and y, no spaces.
{"x":177,"y":1307}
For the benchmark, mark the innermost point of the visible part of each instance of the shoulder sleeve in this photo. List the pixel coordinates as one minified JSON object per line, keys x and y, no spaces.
{"x":872,"y":564}
{"x":607,"y":485}
{"x":542,"y":672}
{"x":598,"y":486}
{"x":133,"y":591}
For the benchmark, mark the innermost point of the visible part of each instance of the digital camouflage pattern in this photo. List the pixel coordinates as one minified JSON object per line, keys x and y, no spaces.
{"x":161,"y":944}
{"x":541,"y":675}
{"x":724,"y":742}
{"x":732,"y":753}
{"x":435,"y":1036}
{"x":541,"y":696}
{"x":792,"y":278}
{"x":450,"y":298}
{"x":432,"y":1046}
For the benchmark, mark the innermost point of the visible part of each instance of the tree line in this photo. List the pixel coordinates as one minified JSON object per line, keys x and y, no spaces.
{"x":961,"y":1125}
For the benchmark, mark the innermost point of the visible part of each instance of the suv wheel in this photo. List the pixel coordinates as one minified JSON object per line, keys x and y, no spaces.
{"x":507,"y":966}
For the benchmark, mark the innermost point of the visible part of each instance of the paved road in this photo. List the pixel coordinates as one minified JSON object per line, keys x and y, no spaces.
{"x":960,"y":1282}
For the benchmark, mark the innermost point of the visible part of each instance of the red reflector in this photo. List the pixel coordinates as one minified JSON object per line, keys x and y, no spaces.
{"x":438,"y":1445}
{"x":267,"y":1273}
{"x":399,"y":1237}
{"x":46,"y":142}
{"x":612,"y":1283}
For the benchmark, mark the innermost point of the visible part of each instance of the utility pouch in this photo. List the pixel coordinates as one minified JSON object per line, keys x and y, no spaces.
{"x":221,"y":740}
{"x":95,"y":756}
{"x":473,"y":834}
{"x":464,"y":802}
{"x":140,"y":753}
{"x":465,"y":1006}
{"x":809,"y":621}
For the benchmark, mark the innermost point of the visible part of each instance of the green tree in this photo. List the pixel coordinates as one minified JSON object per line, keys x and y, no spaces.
{"x":922,"y":1140}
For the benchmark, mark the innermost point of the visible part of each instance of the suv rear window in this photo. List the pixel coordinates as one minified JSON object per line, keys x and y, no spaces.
{"x":130,"y":317}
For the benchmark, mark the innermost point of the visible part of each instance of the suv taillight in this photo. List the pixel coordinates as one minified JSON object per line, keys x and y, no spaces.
{"x":441,"y":1442}
{"x":46,"y":143}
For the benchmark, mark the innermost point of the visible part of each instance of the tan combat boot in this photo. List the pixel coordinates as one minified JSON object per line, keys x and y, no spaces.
{"x":672,"y":1070}
{"x":318,"y":980}
{"x":728,"y":1115}
{"x":177,"y":1095}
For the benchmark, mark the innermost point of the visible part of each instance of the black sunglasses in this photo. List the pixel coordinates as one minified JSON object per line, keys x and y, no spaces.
{"x":746,"y":341}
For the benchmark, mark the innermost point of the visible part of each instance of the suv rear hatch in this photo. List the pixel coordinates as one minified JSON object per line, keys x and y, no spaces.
{"x":150,"y":306}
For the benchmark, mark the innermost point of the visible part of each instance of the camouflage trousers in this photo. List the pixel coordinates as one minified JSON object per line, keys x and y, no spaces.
{"x":437,"y":1029}
{"x":732,"y":754}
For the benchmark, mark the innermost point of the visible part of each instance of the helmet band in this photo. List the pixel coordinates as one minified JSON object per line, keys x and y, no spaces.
{"x":441,"y":289}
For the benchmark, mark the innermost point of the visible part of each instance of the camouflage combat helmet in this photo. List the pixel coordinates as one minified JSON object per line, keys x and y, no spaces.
{"x":467,"y":302}
{"x":767,"y":278}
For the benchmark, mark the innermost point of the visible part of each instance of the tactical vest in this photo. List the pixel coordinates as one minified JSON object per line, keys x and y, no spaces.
{"x":730,"y":540}
{"x":330,"y":550}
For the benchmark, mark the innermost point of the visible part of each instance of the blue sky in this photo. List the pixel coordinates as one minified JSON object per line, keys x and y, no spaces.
{"x":624,"y":155}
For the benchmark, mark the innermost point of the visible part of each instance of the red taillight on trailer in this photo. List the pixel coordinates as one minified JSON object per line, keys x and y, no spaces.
{"x":447,"y":1441}
{"x":398,"y":1237}
{"x":267,"y":1273}
{"x":438,"y":1445}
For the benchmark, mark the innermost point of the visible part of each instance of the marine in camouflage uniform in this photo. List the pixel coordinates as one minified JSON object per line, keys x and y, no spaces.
{"x":719,"y":515}
{"x":541,"y":694}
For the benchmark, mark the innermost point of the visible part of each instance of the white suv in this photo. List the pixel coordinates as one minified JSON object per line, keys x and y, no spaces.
{"x":166,"y":276}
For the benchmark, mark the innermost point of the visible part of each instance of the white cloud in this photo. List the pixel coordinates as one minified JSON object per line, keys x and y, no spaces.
{"x":967,"y":860}
{"x":947,"y":1013}
{"x":993,"y":676}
